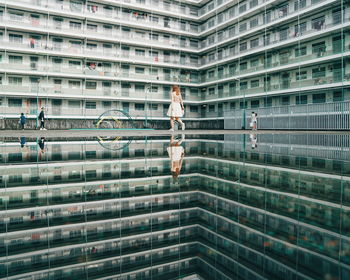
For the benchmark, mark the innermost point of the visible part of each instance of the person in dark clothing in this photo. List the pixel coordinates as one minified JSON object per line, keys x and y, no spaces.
{"x":42,"y":119}
{"x":22,"y":141}
{"x":41,"y":144}
{"x":22,"y":120}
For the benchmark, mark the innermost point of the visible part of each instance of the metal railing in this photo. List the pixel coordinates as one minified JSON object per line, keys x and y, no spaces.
{"x":325,"y":116}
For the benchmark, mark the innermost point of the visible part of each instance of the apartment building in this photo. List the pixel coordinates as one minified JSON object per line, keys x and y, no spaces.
{"x":79,"y":59}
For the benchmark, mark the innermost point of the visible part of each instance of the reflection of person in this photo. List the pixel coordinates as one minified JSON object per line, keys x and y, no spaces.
{"x":41,"y":144}
{"x":253,"y":140}
{"x":176,"y":154}
{"x":22,"y":141}
{"x":176,"y":108}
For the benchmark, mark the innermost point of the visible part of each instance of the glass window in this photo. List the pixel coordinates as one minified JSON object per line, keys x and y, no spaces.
{"x":211,"y":74}
{"x":211,"y":108}
{"x":15,"y":59}
{"x":337,"y":16}
{"x":91,"y":46}
{"x":242,"y":8}
{"x":319,"y":72}
{"x":90,"y":85}
{"x":243,"y":27}
{"x":74,"y":64}
{"x":153,"y":107}
{"x":301,"y":99}
{"x":139,"y":88}
{"x":253,"y":3}
{"x":243,"y":46}
{"x":338,"y":96}
{"x":285,"y":100}
{"x":14,"y":102}
{"x":254,"y":43}
{"x":319,"y":98}
{"x":254,"y":22}
{"x":254,"y":83}
{"x":15,"y":16}
{"x":254,"y":62}
{"x":139,"y":52}
{"x":154,"y":89}
{"x":300,"y":29}
{"x":15,"y":80}
{"x":302,"y":75}
{"x":243,"y":85}
{"x":300,"y":51}
{"x":139,"y":106}
{"x":75,"y":25}
{"x":154,"y":37}
{"x":254,"y":104}
{"x":268,"y":102}
{"x":74,"y":103}
{"x":90,"y":105}
{"x":154,"y":19}
{"x":91,"y":27}
{"x":299,"y":4}
{"x":318,"y":23}
{"x":76,"y":6}
{"x":15,"y":38}
{"x":74,"y":84}
{"x":243,"y":66}
{"x":106,"y":104}
{"x":139,"y":70}
{"x":319,"y":48}
{"x":194,"y":109}
{"x":284,"y":34}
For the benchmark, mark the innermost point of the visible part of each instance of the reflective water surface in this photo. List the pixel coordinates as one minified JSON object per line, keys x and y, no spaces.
{"x":229,"y":207}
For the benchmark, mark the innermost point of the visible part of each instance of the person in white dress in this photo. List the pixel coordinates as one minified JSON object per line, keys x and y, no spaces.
{"x":176,"y":154}
{"x":176,"y":109}
{"x":253,"y":121}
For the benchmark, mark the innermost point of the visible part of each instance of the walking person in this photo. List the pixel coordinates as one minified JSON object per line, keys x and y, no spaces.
{"x":42,"y":119}
{"x":176,"y":109}
{"x":22,"y":120}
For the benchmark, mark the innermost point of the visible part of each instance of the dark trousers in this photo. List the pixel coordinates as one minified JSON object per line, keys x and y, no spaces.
{"x":42,"y":124}
{"x":22,"y":125}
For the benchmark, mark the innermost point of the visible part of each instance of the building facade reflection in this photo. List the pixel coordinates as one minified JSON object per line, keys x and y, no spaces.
{"x":82,"y":211}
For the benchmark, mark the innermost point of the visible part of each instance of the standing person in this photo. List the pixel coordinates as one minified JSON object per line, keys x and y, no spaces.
{"x":42,"y":119}
{"x":256,"y":122}
{"x":176,"y":108}
{"x":22,"y":120}
{"x":32,"y":42}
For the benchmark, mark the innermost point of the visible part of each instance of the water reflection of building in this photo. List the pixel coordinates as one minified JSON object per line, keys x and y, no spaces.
{"x":231,"y":214}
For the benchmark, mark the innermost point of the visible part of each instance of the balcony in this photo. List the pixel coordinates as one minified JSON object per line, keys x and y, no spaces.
{"x":136,"y":19}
